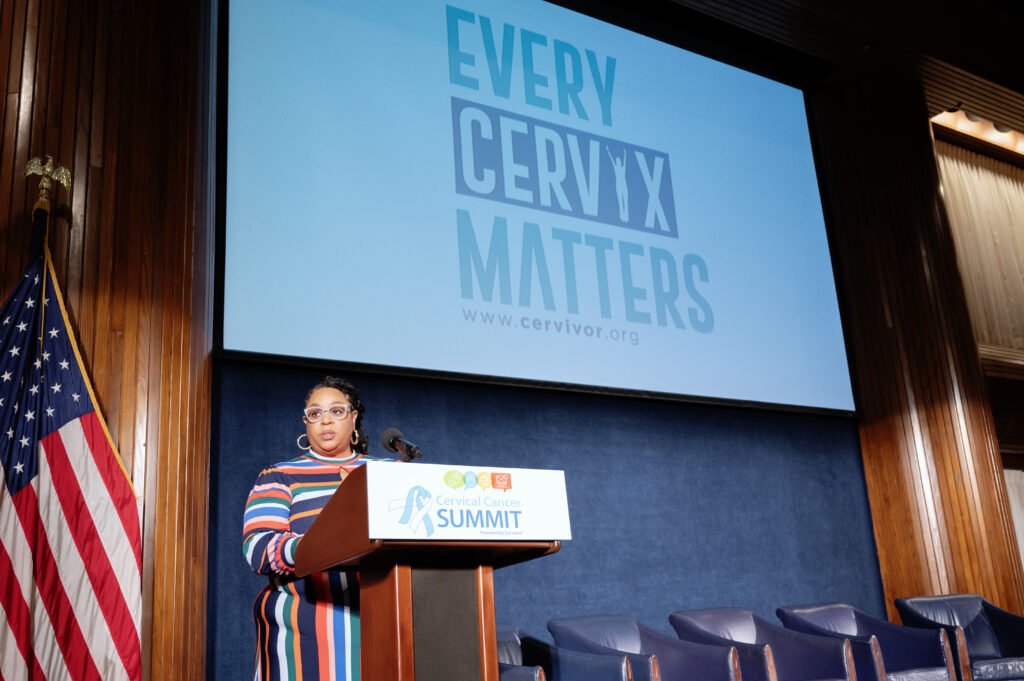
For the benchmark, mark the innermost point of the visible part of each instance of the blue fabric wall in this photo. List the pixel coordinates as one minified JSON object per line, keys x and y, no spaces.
{"x":673,"y":505}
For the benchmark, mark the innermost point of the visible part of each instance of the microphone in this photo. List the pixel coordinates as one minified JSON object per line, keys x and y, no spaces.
{"x":394,"y":441}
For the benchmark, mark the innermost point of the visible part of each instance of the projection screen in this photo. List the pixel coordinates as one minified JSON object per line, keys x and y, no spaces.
{"x":521,"y":191}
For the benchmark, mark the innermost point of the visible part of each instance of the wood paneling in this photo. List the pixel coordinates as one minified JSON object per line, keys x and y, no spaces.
{"x":934,"y":475}
{"x":119,"y":93}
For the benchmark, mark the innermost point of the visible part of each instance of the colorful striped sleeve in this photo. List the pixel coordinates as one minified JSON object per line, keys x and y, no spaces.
{"x":267,"y":540}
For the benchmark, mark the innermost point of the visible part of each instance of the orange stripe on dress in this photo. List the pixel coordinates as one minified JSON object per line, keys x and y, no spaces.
{"x":297,"y":638}
{"x":314,"y":483}
{"x":314,"y":511}
{"x":271,"y":493}
{"x":263,"y":660}
{"x":324,"y":625}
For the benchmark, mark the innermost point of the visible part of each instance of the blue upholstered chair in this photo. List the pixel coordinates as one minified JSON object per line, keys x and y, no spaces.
{"x":990,"y":643}
{"x":882,"y":651}
{"x":510,"y":659}
{"x":523,"y":658}
{"x":767,"y":651}
{"x":652,"y":655}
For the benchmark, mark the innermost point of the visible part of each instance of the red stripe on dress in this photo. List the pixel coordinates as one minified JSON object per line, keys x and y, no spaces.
{"x":98,"y":568}
{"x":67,"y":633}
{"x":116,"y":482}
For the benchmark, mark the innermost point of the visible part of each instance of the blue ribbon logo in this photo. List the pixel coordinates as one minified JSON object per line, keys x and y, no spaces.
{"x":417,"y":510}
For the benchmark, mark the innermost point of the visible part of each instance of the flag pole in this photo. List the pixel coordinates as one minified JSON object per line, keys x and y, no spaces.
{"x":48,"y":170}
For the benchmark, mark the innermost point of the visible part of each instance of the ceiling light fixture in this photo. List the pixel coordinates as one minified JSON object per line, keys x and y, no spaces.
{"x":979,"y":128}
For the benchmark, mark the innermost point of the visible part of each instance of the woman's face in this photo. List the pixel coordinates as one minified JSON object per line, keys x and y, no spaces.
{"x":330,"y":436}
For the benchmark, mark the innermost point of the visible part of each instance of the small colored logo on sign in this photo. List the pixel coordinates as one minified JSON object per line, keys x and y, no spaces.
{"x":501,"y":481}
{"x":469,"y":480}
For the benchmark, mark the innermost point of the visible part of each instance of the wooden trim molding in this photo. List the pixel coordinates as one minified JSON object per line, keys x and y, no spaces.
{"x":1002,"y":362}
{"x":962,"y":139}
{"x":488,"y":642}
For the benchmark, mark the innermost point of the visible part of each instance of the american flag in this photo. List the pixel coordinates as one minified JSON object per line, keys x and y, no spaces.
{"x":70,"y":547}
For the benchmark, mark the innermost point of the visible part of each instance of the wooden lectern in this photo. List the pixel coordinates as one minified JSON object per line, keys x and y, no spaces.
{"x":426,"y":607}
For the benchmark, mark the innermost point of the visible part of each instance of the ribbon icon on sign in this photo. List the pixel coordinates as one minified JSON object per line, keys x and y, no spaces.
{"x":417,"y":510}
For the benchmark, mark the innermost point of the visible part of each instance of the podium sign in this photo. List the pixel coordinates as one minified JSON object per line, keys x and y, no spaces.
{"x":443,"y":502}
{"x":426,"y":540}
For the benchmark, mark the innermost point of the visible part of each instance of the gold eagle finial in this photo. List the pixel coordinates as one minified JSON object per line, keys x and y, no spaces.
{"x":49,"y":171}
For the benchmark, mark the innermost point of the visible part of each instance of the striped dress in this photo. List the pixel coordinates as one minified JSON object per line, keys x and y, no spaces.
{"x":307,"y":629}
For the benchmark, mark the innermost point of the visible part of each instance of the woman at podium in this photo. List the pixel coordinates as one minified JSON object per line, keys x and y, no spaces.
{"x":306,"y":627}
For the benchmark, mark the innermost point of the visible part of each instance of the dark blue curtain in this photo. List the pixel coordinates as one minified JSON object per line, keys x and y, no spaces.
{"x":673,"y":505}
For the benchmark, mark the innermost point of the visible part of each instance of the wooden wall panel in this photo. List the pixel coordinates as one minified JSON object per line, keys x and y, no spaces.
{"x":931,"y":461}
{"x":120,"y":93}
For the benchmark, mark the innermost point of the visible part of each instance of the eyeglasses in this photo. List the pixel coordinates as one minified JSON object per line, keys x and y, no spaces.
{"x":337,"y":411}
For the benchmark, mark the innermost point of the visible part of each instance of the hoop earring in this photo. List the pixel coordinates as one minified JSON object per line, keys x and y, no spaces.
{"x":298,"y":442}
{"x":354,"y":439}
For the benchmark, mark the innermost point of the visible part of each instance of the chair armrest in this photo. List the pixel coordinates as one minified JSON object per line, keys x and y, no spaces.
{"x":867,"y":659}
{"x":686,"y":661}
{"x":755,"y":658}
{"x":804,"y":657}
{"x":961,"y":661}
{"x":959,"y":658}
{"x":756,"y":662}
{"x":644,"y":666}
{"x":562,"y":664}
{"x":867,"y":656}
{"x":909,"y":648}
{"x":954,"y":636}
{"x":514,"y":672}
{"x":1009,"y":630}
